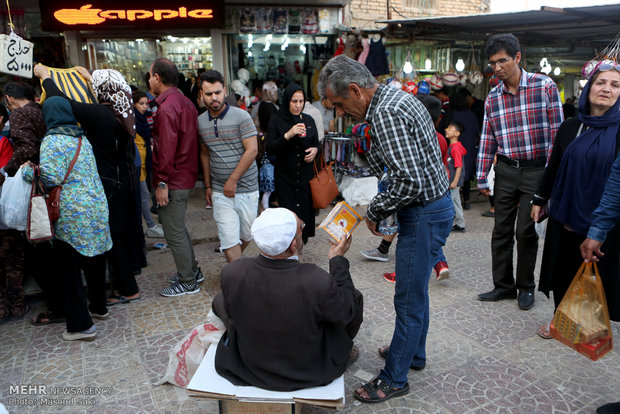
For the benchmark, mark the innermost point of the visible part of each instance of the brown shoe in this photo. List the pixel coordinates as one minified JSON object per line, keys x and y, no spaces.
{"x":353,"y":356}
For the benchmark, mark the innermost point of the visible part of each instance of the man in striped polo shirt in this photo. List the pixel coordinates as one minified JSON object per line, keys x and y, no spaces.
{"x":227,"y":153}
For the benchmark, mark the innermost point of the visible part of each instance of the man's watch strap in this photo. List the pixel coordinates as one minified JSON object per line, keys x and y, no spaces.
{"x":162,"y":185}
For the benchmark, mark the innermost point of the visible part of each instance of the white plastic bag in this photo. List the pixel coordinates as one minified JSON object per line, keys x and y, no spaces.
{"x":186,"y":356}
{"x":14,"y":201}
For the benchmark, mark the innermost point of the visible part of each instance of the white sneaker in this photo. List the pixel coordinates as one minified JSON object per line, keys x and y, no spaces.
{"x":156,"y":231}
{"x":87,"y":335}
{"x":374,"y":254}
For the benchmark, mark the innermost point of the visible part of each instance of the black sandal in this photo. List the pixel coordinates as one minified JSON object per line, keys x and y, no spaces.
{"x":47,"y":318}
{"x":379,"y":385}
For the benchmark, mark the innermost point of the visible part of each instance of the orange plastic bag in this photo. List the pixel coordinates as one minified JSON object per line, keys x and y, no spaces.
{"x":582,"y":319}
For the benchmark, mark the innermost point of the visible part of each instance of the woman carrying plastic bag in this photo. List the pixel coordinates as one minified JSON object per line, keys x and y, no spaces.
{"x":14,"y":200}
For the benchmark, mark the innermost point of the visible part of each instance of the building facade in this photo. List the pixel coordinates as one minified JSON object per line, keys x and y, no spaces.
{"x":363,"y":14}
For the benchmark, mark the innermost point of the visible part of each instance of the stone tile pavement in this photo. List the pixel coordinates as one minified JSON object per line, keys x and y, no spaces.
{"x":482,"y":357}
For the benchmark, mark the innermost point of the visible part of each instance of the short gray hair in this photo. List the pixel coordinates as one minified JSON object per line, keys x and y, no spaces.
{"x":341,"y":71}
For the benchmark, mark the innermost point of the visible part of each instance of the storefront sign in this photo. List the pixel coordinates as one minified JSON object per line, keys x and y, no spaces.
{"x":16,"y":56}
{"x":116,"y":14}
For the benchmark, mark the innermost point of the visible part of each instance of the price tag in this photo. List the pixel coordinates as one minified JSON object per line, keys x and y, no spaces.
{"x":16,"y":56}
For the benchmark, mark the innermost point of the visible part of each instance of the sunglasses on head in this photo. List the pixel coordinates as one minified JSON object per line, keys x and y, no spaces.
{"x":606,"y":65}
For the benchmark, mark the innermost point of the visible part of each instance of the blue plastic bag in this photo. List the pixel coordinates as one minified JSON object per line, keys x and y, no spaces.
{"x":14,"y":201}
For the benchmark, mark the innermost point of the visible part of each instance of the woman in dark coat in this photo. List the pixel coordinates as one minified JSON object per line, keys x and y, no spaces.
{"x":110,"y":128}
{"x":293,"y":140}
{"x":584,"y":150}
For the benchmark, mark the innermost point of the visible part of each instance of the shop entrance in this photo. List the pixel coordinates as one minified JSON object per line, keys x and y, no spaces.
{"x":133,"y":57}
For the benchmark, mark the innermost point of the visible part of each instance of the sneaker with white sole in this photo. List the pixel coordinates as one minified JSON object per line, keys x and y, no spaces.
{"x":374,"y":254}
{"x":101,"y":317}
{"x":180,"y":289}
{"x":197,"y":274}
{"x":155,"y":232}
{"x":442,"y":270}
{"x":87,"y":335}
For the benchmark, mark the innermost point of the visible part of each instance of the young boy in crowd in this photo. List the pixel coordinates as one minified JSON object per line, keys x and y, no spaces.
{"x":456,"y":151}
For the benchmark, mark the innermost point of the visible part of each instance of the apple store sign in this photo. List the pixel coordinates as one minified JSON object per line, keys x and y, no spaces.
{"x":60,"y":15}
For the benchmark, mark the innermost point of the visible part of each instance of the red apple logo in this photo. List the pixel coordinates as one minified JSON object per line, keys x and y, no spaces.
{"x":85,"y":15}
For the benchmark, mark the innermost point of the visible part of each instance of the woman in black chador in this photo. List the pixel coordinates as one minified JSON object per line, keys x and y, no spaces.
{"x":293,"y":139}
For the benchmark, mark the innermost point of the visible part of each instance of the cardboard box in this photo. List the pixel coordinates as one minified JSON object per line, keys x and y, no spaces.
{"x":207,"y":383}
{"x":237,"y":407}
{"x":593,"y":350}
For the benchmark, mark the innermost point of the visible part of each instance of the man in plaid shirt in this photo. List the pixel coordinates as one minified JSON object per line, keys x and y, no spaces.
{"x":521,"y":117}
{"x":403,"y":140}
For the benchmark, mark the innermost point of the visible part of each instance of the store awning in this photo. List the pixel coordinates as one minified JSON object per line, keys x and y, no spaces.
{"x":578,"y":26}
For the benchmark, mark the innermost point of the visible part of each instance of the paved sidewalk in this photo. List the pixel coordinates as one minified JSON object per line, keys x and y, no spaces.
{"x":482,"y":357}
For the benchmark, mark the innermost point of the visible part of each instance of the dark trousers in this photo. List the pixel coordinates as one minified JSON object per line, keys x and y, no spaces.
{"x":69,"y":281}
{"x":12,"y":300}
{"x":514,"y":189}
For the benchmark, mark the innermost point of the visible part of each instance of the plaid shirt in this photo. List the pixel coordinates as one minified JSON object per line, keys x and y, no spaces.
{"x":403,"y":140}
{"x":520,"y":126}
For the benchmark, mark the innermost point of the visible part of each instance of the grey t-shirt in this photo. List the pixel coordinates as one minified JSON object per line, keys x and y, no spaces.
{"x":226,"y":147}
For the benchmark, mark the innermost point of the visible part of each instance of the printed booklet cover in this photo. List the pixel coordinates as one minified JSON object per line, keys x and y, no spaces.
{"x":342,"y":220}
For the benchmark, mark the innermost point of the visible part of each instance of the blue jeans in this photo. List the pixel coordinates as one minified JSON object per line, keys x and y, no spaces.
{"x":423,"y":230}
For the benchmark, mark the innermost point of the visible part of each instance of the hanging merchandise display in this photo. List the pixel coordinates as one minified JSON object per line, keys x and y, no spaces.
{"x":377,"y":61}
{"x":608,"y":56}
{"x":436,"y":82}
{"x":365,"y":49}
{"x":474,"y":76}
{"x":450,"y":79}
{"x":310,"y":21}
{"x":462,"y":79}
{"x":423,"y":88}
{"x":280,"y":21}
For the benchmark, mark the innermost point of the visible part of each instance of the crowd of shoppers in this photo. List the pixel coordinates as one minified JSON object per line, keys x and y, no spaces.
{"x":130,"y":144}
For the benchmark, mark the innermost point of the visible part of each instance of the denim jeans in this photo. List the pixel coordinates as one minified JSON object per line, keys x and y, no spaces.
{"x":422,"y":231}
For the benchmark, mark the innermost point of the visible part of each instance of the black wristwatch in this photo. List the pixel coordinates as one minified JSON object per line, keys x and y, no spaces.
{"x":162,"y":185}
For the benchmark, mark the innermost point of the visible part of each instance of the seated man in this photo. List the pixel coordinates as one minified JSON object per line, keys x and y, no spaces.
{"x":290,"y":325}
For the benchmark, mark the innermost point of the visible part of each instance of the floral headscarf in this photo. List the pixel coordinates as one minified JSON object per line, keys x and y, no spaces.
{"x":111,"y":88}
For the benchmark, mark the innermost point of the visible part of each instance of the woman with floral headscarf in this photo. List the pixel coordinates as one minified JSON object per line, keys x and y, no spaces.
{"x":110,"y":128}
{"x":584,"y":150}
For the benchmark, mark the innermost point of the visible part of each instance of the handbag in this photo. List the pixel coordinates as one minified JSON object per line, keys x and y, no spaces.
{"x":582,"y":318}
{"x":53,"y":194}
{"x":323,"y":185}
{"x":39,"y":227}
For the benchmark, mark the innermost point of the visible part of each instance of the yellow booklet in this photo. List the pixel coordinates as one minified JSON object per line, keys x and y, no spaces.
{"x":342,"y":220}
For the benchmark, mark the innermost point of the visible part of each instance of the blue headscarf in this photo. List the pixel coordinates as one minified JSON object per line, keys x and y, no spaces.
{"x":585,"y":166}
{"x":59,"y":117}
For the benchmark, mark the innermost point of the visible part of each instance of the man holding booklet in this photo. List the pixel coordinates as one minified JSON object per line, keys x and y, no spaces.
{"x":404,"y":141}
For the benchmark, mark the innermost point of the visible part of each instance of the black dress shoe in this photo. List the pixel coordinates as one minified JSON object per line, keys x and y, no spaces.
{"x":458,"y":229}
{"x":497,"y":294}
{"x":526,"y":300}
{"x":466,"y":206}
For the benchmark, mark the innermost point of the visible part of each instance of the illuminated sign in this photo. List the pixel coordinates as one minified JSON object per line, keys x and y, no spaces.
{"x":116,"y":14}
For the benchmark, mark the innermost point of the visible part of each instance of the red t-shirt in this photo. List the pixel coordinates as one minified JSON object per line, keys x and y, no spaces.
{"x":6,"y":151}
{"x":443,"y":146}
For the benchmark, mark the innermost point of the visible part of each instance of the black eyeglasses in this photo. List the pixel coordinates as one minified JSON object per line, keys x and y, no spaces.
{"x":302,"y":226}
{"x":499,"y":61}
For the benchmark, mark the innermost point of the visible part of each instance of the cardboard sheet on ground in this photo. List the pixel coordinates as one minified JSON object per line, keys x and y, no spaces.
{"x":209,"y":384}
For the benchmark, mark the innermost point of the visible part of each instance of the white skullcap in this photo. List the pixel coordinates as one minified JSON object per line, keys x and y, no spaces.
{"x":274,"y":230}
